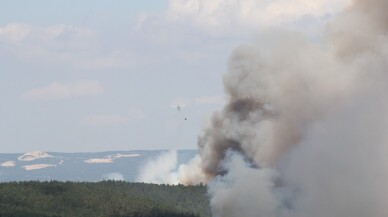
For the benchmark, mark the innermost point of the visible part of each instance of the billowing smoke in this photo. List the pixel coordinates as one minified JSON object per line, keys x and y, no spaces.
{"x":160,"y":170}
{"x":305,"y":129}
{"x":165,"y":170}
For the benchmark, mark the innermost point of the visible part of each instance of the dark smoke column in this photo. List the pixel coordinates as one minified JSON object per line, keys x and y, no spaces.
{"x":273,"y":95}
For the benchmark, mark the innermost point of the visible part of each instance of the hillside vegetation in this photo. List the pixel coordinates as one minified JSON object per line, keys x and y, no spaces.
{"x":107,"y":198}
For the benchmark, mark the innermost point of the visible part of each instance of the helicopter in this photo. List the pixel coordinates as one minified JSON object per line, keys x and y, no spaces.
{"x":179,"y":108}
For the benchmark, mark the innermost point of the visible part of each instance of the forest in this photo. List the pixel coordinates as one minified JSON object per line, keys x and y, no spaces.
{"x":101,"y":199}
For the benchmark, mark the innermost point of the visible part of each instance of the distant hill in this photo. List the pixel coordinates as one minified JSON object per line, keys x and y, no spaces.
{"x":88,"y":167}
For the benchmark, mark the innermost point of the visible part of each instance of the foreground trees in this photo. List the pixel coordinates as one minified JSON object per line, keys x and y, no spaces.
{"x":107,"y":198}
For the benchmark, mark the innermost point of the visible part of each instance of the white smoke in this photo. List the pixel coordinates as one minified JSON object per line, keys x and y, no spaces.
{"x":160,"y":170}
{"x":226,"y":191}
{"x":191,"y":173}
{"x":165,"y":170}
{"x":340,"y":167}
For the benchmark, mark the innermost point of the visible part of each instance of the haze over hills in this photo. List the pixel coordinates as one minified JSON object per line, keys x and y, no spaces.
{"x":90,"y":167}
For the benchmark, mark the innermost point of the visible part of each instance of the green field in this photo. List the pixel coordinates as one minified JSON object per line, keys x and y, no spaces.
{"x":107,"y":198}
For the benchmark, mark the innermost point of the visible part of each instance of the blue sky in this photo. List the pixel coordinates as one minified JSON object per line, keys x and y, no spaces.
{"x":99,"y":75}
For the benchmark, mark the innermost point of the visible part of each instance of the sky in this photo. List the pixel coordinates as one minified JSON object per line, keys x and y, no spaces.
{"x":93,"y":75}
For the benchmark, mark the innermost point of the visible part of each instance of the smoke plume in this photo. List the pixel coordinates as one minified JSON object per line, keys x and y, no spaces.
{"x":165,"y":170}
{"x":160,"y":170}
{"x":304,"y":131}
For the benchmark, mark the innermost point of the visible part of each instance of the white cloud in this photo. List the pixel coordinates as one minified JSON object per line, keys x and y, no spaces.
{"x":231,"y":15}
{"x":57,"y":90}
{"x":99,"y":160}
{"x":125,"y":156}
{"x":8,"y":164}
{"x":30,"y":156}
{"x":199,"y":31}
{"x":37,"y":166}
{"x":15,"y":32}
{"x":109,"y":158}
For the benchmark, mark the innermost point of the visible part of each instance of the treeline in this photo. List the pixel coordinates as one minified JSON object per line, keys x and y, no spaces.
{"x":105,"y":199}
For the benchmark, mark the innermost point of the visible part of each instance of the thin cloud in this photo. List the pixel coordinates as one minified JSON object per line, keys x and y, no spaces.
{"x":69,"y":45}
{"x":209,"y":100}
{"x":14,"y":32}
{"x":56,"y":38}
{"x":210,"y":29}
{"x":113,"y":120}
{"x":225,"y":16}
{"x":57,"y":90}
{"x":198,"y":101}
{"x":181,"y":101}
{"x":105,"y":120}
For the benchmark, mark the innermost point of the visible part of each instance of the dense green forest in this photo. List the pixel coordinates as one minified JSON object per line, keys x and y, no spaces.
{"x":107,"y":198}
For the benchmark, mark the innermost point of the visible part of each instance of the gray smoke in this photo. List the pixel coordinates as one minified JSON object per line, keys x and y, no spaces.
{"x":277,"y":87}
{"x":305,"y":129}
